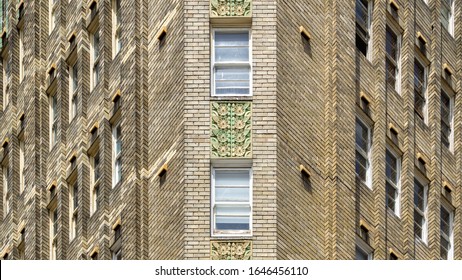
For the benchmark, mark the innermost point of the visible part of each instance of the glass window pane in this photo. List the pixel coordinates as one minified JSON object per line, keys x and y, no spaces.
{"x":360,"y":254}
{"x":240,"y":38}
{"x":231,"y":194}
{"x":232,"y":223}
{"x":232,"y":177}
{"x":227,"y":54}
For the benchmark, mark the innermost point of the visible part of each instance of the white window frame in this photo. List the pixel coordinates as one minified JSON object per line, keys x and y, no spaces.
{"x":6,"y":97}
{"x":396,"y":60}
{"x":366,"y":154}
{"x":6,"y":190}
{"x":53,"y":233}
{"x":95,"y":59}
{"x":230,"y":64}
{"x":423,"y":182}
{"x":21,"y":165}
{"x":73,"y":93}
{"x":370,"y":8}
{"x":94,"y":183}
{"x":364,"y":247}
{"x":53,"y":120}
{"x":451,"y":115}
{"x":116,"y":157}
{"x":449,"y":238}
{"x":450,"y":27}
{"x":425,"y":82}
{"x":73,"y":209}
{"x":397,"y":187}
{"x":116,"y":40}
{"x":230,"y":233}
{"x":52,"y":6}
{"x":21,"y":54}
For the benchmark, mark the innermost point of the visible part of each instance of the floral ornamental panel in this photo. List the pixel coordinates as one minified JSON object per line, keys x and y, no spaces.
{"x":225,"y":250}
{"x":231,"y":130}
{"x":230,"y":8}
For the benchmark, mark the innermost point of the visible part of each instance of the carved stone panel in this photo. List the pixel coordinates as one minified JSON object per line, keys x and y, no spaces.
{"x":231,"y":250}
{"x":231,"y":129}
{"x":230,"y":8}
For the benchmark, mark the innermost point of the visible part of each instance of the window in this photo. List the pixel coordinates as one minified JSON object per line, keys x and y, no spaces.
{"x":94,"y":59}
{"x":95,"y":175}
{"x":116,"y":154}
{"x":420,"y":89}
{"x":53,"y":233}
{"x":420,"y":210}
{"x":447,"y":120}
{"x":447,"y":15}
{"x":5,"y":70}
{"x":53,"y":15}
{"x":393,"y":170}
{"x":21,"y":166}
{"x":116,"y":248}
{"x":116,"y":42}
{"x":53,"y":120}
{"x":363,"y":26}
{"x":421,"y":45}
{"x":94,"y":256}
{"x":73,"y":94}
{"x":231,"y":62}
{"x":231,"y":201}
{"x":21,"y":54}
{"x":393,"y":257}
{"x":6,"y":190}
{"x":446,"y":232}
{"x":392,"y":63}
{"x":363,"y":149}
{"x":22,"y":245}
{"x":74,"y":203}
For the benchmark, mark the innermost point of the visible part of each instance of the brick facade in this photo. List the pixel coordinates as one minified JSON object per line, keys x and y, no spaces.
{"x":306,"y":96}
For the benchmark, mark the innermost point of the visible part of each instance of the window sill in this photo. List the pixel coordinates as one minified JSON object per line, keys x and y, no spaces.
{"x":231,"y":97}
{"x":216,"y":237}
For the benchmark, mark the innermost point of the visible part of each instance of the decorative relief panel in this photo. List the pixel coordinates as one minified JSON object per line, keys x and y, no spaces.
{"x":230,"y":8}
{"x":231,"y":129}
{"x":231,"y":250}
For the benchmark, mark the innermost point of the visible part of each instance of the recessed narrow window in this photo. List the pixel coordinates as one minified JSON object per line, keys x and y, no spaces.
{"x":116,"y":20}
{"x":392,"y":62}
{"x":22,"y":245}
{"x":231,"y":201}
{"x":52,"y":15}
{"x":53,"y":233}
{"x":116,"y":248}
{"x":420,"y":89}
{"x":95,"y":175}
{"x":5,"y":71}
{"x":393,"y":170}
{"x":447,"y":15}
{"x":94,"y":58}
{"x":363,"y":26}
{"x":21,"y":166}
{"x":447,"y":120}
{"x":420,"y":209}
{"x":231,"y":62}
{"x":394,"y":10}
{"x":21,"y":53}
{"x":393,"y":257}
{"x":363,"y":156}
{"x":422,"y":45}
{"x":6,"y":190}
{"x":53,"y":120}
{"x":73,"y":93}
{"x":74,"y":204}
{"x":446,"y":233}
{"x":116,"y":154}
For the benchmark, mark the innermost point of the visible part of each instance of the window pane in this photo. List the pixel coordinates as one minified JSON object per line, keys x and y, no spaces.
{"x":232,"y":80}
{"x":362,"y":136}
{"x":361,"y":166}
{"x":391,"y":167}
{"x":232,"y":223}
{"x":227,"y":54}
{"x":232,"y":38}
{"x":231,"y":194}
{"x":391,"y":197}
{"x":232,"y":177}
{"x":360,"y":254}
